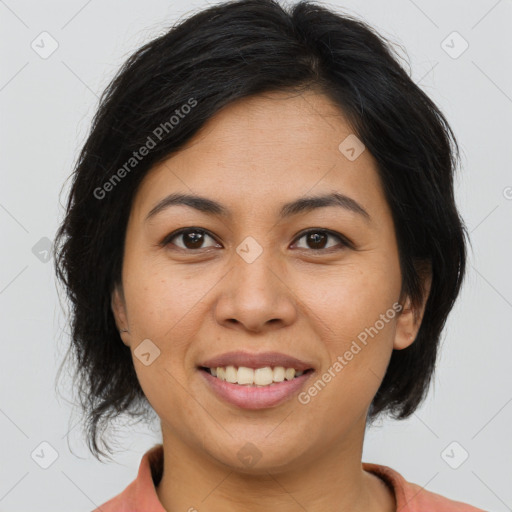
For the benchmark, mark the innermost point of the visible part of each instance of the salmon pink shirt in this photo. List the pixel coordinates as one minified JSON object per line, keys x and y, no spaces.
{"x":141,"y":496}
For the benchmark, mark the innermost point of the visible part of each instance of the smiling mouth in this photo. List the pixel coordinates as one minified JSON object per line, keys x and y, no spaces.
{"x":258,"y":377}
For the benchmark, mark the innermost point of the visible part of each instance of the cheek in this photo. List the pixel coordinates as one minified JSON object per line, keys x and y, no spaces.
{"x":353,"y":296}
{"x":160,"y":309}
{"x":352,"y":311}
{"x":161,"y":297}
{"x":166,"y":305}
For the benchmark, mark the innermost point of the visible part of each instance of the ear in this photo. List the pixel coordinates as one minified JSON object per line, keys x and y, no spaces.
{"x":118,"y":305}
{"x":410,"y":317}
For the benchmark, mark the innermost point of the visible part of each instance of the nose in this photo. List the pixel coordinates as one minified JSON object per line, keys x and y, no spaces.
{"x":256,"y":296}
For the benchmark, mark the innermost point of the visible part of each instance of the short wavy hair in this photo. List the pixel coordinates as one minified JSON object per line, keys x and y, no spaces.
{"x":216,"y":56}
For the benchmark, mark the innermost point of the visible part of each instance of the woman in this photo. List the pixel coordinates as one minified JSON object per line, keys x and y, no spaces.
{"x":261,"y":245}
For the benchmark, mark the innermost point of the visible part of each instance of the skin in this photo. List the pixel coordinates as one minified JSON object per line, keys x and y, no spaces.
{"x":309,"y":301}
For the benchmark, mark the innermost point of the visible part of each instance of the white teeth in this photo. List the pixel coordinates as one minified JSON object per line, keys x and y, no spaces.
{"x":263,"y":376}
{"x":254,"y":377}
{"x":279,"y":374}
{"x":231,"y":374}
{"x":289,"y":374}
{"x":244,"y":376}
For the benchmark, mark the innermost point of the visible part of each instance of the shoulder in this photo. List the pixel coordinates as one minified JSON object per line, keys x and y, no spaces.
{"x":125,"y":501}
{"x":140,"y":495}
{"x":411,"y":497}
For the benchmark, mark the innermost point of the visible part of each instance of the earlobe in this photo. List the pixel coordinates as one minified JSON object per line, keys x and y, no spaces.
{"x":405,"y":333}
{"x":118,"y":307}
{"x":410,"y":318}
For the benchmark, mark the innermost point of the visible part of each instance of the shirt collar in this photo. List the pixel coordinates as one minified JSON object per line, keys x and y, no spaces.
{"x":141,"y":495}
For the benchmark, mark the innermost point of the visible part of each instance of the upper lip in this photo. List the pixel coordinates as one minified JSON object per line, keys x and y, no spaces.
{"x":256,"y":360}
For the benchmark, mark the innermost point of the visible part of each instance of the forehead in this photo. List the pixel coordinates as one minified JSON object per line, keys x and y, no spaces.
{"x":272,"y":147}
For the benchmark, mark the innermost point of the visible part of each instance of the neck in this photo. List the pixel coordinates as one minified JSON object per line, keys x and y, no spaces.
{"x":334,"y":481}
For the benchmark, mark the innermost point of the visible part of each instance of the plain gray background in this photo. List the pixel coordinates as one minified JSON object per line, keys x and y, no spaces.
{"x":46,"y":108}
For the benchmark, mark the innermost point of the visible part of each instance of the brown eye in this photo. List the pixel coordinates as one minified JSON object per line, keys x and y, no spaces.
{"x":317,"y":239}
{"x":191,"y":238}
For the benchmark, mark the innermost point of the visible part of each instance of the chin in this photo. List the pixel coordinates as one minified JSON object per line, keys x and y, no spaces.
{"x":258,"y":454}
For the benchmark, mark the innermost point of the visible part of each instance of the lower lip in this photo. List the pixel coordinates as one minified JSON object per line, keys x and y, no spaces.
{"x":255,"y":397}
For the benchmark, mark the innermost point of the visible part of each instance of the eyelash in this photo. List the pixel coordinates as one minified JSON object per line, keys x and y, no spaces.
{"x":343,"y":240}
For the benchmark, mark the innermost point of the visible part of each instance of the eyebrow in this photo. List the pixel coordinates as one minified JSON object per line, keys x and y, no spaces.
{"x":301,"y":205}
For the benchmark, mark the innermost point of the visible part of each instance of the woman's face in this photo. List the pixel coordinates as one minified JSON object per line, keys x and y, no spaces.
{"x":320,"y":284}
